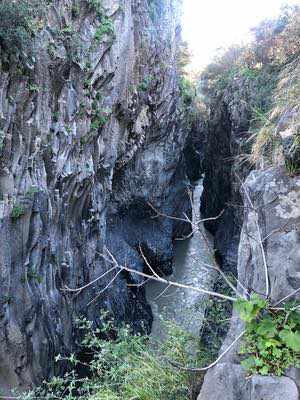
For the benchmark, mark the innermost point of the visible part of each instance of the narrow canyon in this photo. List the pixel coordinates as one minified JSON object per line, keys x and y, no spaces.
{"x":114,"y":168}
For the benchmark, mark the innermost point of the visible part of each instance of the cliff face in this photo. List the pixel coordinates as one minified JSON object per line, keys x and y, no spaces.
{"x":275,"y":197}
{"x":92,"y":130}
{"x":252,"y":172}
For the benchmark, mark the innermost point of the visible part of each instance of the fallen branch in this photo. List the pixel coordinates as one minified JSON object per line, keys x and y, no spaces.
{"x":67,"y":289}
{"x":160,"y":214}
{"x":189,"y":369}
{"x":168,"y":282}
{"x":260,"y":240}
{"x":287,"y":297}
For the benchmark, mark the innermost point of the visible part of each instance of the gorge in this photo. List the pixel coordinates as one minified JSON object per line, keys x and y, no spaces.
{"x":102,"y":138}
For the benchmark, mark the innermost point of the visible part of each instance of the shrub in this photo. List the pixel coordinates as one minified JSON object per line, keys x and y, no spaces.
{"x":187,"y":91}
{"x":106,"y":28}
{"x":272,"y":339}
{"x":17,"y":211}
{"x":125,"y":367}
{"x":16,"y":30}
{"x":96,"y":7}
{"x":146,"y":83}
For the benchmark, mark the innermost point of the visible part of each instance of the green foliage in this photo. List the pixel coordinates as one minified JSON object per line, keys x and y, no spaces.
{"x":16,"y":30}
{"x":262,"y":75}
{"x":215,"y":324}
{"x":2,"y":137}
{"x":145,"y":84}
{"x":17,"y":211}
{"x":95,"y":6}
{"x":187,"y":91}
{"x":272,"y":339}
{"x":32,"y":191}
{"x":292,"y":168}
{"x":106,"y":28}
{"x":125,"y":367}
{"x":99,"y":118}
{"x":33,"y":88}
{"x":33,"y":275}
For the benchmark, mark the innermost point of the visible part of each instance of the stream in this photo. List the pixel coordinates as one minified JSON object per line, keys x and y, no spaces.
{"x":185,"y":307}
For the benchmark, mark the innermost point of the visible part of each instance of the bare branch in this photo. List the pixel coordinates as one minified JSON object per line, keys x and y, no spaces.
{"x":106,"y":287}
{"x":168,"y":282}
{"x":187,"y":220}
{"x":146,"y":261}
{"x":287,"y":297}
{"x":162,"y":293}
{"x":212,"y":364}
{"x":218,"y":269}
{"x":260,"y":241}
{"x":276,"y":231}
{"x":67,"y":289}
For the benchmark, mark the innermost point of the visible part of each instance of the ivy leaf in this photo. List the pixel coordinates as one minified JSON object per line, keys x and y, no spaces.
{"x":267,"y":327}
{"x":249,"y":363}
{"x":264,"y":370}
{"x":258,"y":362}
{"x":291,"y":339}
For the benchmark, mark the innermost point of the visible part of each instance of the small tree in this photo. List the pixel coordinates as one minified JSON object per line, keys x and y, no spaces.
{"x":16,"y":30}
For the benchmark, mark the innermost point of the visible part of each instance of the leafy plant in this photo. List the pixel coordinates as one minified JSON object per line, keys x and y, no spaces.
{"x":17,"y":211}
{"x":106,"y":28}
{"x":272,"y":338}
{"x":124,"y":367}
{"x":292,"y":168}
{"x":95,"y":6}
{"x":33,"y":275}
{"x":32,"y":191}
{"x":16,"y":30}
{"x":33,"y":88}
{"x":145,"y":84}
{"x":100,"y":118}
{"x":187,"y":91}
{"x":2,"y":137}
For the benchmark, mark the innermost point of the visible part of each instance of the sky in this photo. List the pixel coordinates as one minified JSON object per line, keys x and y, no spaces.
{"x":211,"y":24}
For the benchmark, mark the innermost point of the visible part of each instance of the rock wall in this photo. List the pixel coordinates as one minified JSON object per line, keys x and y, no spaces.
{"x":275,"y":196}
{"x":92,"y":130}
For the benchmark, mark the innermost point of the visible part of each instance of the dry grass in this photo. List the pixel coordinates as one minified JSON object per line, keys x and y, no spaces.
{"x":284,"y":118}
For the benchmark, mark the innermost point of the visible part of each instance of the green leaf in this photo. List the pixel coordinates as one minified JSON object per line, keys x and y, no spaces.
{"x":264,"y":370}
{"x":291,"y":339}
{"x":249,"y":363}
{"x":267,"y":327}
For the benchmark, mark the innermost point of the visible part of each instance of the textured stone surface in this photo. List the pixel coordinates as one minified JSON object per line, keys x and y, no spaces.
{"x":276,"y":199}
{"x":228,"y":381}
{"x":225,"y":382}
{"x":89,"y":136}
{"x":269,"y":388}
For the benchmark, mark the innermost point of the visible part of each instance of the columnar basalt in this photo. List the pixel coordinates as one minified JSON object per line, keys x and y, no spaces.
{"x":92,"y":131}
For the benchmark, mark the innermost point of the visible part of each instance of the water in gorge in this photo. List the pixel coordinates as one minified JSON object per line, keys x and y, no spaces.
{"x":184,"y":306}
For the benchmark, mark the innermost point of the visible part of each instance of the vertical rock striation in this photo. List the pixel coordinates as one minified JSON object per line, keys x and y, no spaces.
{"x":276,"y":196}
{"x":92,"y":130}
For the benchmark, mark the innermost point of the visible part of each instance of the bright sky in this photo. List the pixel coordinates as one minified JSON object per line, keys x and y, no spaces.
{"x":211,"y":24}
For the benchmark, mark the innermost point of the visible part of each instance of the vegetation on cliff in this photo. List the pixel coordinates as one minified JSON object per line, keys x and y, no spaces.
{"x":123,"y":366}
{"x":261,"y":81}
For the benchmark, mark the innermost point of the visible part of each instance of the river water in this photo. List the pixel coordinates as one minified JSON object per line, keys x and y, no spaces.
{"x":184,"y":306}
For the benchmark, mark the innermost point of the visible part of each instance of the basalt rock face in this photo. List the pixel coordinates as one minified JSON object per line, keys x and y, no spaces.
{"x":230,"y":113}
{"x":90,"y":135}
{"x":274,"y":207}
{"x":194,"y":151}
{"x":221,"y":197}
